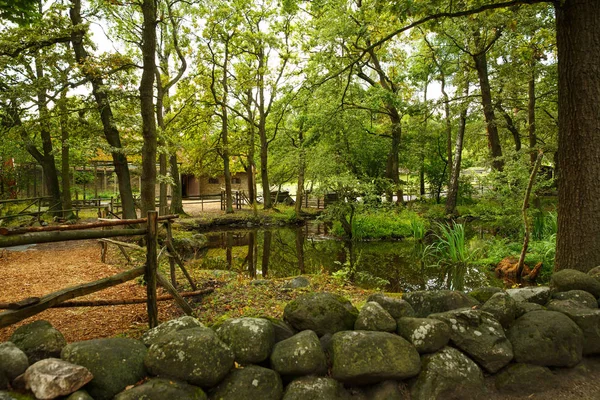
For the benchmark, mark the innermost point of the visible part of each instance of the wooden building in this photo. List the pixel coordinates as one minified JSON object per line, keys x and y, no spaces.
{"x":204,"y":185}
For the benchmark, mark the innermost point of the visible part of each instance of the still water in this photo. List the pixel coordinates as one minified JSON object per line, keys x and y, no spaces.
{"x":395,"y":266}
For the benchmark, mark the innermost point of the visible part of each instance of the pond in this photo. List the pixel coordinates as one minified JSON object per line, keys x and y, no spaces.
{"x":394,"y":266}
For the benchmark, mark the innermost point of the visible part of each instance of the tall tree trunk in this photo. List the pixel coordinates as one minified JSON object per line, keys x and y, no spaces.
{"x":578,"y":41}
{"x":510,"y":125}
{"x":225,"y":134}
{"x":448,"y":125}
{"x":481,"y":66}
{"x":106,"y":116}
{"x":251,"y":164}
{"x":162,"y":157}
{"x":176,"y":194}
{"x":148,"y":190}
{"x":531,"y":117}
{"x":301,"y":170}
{"x":47,"y":159}
{"x":64,"y":136}
{"x":393,"y":165}
{"x":452,"y":197}
{"x":262,"y":133}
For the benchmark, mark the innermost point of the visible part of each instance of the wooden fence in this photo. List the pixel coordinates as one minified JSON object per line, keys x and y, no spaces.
{"x":48,"y":234}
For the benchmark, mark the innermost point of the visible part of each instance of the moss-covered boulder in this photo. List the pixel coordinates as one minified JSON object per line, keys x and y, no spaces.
{"x":186,"y":322}
{"x":80,"y":395}
{"x":525,"y":307}
{"x":7,"y":396}
{"x":364,"y":357}
{"x":426,"y":302}
{"x":281,"y":329}
{"x":570,"y":279}
{"x":315,"y":388}
{"x":320,"y":312}
{"x":538,"y":295}
{"x":448,"y":375}
{"x":595,"y":273}
{"x":115,"y":364}
{"x":387,"y":390}
{"x":582,"y":297}
{"x":503,"y":307}
{"x":524,"y":379}
{"x":13,"y":361}
{"x":479,"y":335}
{"x":38,"y":340}
{"x":483,"y":294}
{"x":299,"y":355}
{"x":162,"y":389}
{"x":251,"y":382}
{"x":251,"y":339}
{"x":587,"y":319}
{"x":397,"y":308}
{"x":428,"y":335}
{"x":373,"y":317}
{"x":546,"y":338}
{"x":195,"y":355}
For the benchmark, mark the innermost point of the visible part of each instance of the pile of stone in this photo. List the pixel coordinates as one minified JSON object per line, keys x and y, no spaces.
{"x":433,"y":344}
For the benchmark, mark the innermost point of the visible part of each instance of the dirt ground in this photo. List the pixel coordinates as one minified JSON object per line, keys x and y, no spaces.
{"x":46,"y":268}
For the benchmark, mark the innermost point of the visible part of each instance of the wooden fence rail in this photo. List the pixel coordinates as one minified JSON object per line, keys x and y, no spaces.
{"x":36,"y":235}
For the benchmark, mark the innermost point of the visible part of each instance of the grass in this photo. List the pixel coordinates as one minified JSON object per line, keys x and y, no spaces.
{"x":384,"y":224}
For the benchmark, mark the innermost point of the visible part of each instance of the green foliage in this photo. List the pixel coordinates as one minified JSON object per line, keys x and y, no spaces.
{"x":384,"y":223}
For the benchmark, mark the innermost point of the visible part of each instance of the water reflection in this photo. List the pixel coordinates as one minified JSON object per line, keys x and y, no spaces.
{"x":395,"y":266}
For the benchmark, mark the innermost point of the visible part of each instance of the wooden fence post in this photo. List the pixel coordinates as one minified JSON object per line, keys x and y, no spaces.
{"x":151,"y":268}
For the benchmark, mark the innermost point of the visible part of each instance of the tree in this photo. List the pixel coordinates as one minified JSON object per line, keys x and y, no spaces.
{"x":578,"y":38}
{"x":99,"y":90}
{"x":148,"y":190}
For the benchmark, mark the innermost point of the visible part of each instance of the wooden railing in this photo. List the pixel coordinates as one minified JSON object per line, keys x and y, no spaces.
{"x":48,"y":234}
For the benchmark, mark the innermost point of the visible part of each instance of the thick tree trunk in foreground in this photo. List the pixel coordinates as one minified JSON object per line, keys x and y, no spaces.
{"x":578,"y":41}
{"x":148,"y":190}
{"x":106,"y":116}
{"x":64,"y":134}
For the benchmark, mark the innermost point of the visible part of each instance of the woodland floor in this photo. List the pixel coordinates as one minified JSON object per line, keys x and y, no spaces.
{"x":46,"y":268}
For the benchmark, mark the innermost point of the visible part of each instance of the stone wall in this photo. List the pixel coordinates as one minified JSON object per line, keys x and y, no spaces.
{"x":425,"y":345}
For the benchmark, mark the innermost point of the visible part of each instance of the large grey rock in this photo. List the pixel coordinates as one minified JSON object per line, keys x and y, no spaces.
{"x":115,"y":364}
{"x":80,"y":395}
{"x":587,"y":319}
{"x":315,"y":388}
{"x":427,"y":302}
{"x":387,"y":390}
{"x":503,"y":307}
{"x":479,"y":335}
{"x":546,"y":338}
{"x":373,"y":317}
{"x":525,"y":307}
{"x":448,"y":375}
{"x":320,"y":312}
{"x":539,"y":295}
{"x":483,"y":294}
{"x":251,"y":382}
{"x":397,"y":308}
{"x":38,"y":340}
{"x":251,"y":339}
{"x":595,"y":273}
{"x":523,"y":379}
{"x":186,"y":322}
{"x":162,"y":389}
{"x":281,"y":329}
{"x":299,"y":355}
{"x":582,"y":297}
{"x":51,"y":378}
{"x":570,"y":279}
{"x":363,"y":357}
{"x":13,"y":361}
{"x":297,"y":283}
{"x":428,"y":335}
{"x":195,"y":355}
